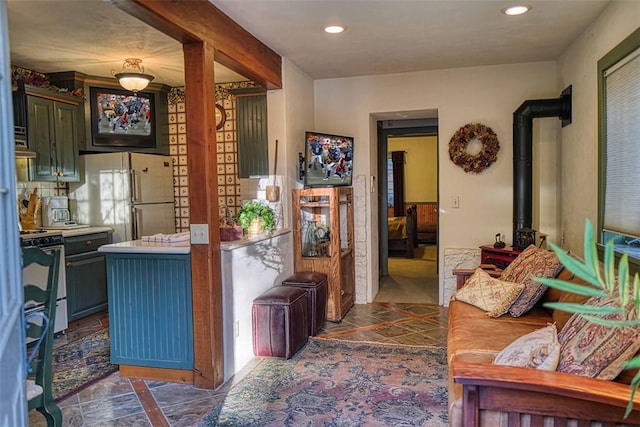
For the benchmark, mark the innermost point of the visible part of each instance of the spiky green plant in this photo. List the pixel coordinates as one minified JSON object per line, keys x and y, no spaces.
{"x":607,"y":284}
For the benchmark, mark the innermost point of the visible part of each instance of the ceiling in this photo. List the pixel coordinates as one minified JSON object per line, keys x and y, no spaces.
{"x":392,"y":36}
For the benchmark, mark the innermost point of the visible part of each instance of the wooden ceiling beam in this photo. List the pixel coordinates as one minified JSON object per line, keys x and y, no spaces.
{"x":199,"y":20}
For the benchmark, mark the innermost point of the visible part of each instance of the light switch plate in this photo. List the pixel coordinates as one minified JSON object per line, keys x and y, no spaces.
{"x":199,"y":234}
{"x":455,"y":202}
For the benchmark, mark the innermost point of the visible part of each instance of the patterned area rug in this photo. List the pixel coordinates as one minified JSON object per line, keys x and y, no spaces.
{"x":81,"y":363}
{"x":335,"y":383}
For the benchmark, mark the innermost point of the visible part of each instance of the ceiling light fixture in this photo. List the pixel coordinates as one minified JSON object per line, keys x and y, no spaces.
{"x":334,"y":29}
{"x":132,"y":76}
{"x":517,"y":10}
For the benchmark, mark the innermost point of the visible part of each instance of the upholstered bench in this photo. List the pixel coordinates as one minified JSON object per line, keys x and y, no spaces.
{"x":315,"y":284}
{"x":280,"y":322}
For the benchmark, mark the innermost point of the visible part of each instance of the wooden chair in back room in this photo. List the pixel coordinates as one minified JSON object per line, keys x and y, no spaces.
{"x":41,"y":328}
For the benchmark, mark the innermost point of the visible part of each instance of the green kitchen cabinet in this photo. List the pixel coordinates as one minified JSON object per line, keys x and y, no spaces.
{"x":86,"y":274}
{"x":52,"y":131}
{"x":253,"y":153}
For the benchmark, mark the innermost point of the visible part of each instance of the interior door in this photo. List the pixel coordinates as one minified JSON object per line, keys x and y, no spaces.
{"x":13,"y":406}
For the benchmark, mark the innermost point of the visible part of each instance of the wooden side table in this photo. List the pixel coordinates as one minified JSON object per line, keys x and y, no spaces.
{"x":500,"y":257}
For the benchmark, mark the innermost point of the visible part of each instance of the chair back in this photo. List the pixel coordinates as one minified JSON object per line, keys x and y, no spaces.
{"x":41,"y":328}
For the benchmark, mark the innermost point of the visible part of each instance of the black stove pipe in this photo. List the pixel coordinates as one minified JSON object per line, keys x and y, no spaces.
{"x":523,"y":152}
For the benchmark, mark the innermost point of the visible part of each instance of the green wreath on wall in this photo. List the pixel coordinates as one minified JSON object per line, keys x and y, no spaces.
{"x":460,"y":141}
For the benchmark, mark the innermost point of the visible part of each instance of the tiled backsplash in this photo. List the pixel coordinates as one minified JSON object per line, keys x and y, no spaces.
{"x":226,"y":148}
{"x":45,"y":189}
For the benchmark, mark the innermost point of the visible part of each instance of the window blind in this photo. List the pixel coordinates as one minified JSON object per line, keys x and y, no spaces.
{"x":622,"y":177}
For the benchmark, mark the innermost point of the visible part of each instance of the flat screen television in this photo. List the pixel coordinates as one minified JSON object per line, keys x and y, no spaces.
{"x":328,"y":160}
{"x":121,"y":118}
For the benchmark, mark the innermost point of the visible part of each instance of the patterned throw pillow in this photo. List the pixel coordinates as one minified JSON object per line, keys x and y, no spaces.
{"x":598,"y":351}
{"x":539,"y":349}
{"x":492,"y":295}
{"x":530,"y":263}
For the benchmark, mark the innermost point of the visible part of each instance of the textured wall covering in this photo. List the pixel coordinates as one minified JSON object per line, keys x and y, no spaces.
{"x":226,"y":149}
{"x":227,"y":154}
{"x":457,"y":258}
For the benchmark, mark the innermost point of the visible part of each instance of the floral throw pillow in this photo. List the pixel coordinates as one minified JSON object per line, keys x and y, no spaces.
{"x":539,"y":349}
{"x":598,"y":351}
{"x":530,"y":263}
{"x":492,"y":295}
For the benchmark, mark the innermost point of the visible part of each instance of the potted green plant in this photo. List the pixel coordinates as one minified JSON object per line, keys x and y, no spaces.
{"x":608,"y":283}
{"x":256,"y":216}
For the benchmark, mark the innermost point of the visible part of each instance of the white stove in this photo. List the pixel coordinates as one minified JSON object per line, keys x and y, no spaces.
{"x":35,"y":274}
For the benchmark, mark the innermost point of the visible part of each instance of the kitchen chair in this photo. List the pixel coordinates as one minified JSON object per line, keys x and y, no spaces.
{"x":40,"y":366}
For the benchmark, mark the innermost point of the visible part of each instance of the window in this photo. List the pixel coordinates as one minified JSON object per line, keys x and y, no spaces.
{"x":619,"y":108}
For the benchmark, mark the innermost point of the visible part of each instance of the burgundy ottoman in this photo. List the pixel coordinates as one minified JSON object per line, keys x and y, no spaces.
{"x":280,"y":322}
{"x":316,"y":286}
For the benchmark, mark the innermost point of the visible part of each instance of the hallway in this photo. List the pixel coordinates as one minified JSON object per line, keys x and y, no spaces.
{"x":412,"y":280}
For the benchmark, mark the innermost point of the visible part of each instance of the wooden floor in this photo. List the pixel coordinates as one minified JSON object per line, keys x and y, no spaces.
{"x":117,"y":401}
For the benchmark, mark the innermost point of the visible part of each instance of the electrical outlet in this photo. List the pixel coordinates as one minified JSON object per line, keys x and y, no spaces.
{"x":199,"y":234}
{"x":236,"y":328}
{"x":455,"y":201}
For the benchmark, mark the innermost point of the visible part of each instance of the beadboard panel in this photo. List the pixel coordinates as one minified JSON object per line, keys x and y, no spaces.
{"x":150,"y":310}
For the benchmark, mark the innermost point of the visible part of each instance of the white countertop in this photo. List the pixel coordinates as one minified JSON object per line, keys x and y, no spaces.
{"x":86,"y":230}
{"x":140,"y":247}
{"x":235,"y":244}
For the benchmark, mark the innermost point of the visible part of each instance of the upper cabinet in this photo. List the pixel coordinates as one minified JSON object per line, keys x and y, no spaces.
{"x":95,"y":139}
{"x":52,"y":127}
{"x":253,"y":156}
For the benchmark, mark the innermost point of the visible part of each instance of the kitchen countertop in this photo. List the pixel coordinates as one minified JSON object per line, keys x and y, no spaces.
{"x":86,"y":230}
{"x":235,"y":244}
{"x":140,"y":247}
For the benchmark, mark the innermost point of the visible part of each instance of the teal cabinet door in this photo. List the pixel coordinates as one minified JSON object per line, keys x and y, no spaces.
{"x":53,"y":134}
{"x":86,"y":276}
{"x":41,"y":138}
{"x":66,"y":141}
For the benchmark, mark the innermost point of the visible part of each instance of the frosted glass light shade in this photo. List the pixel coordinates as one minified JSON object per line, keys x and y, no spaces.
{"x":134,"y":81}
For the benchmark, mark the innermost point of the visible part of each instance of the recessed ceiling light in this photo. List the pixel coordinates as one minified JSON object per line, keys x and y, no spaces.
{"x":334,"y":29}
{"x":516,"y":10}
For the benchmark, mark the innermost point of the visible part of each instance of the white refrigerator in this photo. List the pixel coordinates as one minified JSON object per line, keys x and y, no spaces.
{"x":129,"y":192}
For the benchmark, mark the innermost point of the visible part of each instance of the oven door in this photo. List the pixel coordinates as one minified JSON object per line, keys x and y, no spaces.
{"x":35,"y":274}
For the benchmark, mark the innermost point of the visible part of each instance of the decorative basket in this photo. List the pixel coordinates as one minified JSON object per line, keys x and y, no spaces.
{"x":228,"y":234}
{"x":256,"y":227}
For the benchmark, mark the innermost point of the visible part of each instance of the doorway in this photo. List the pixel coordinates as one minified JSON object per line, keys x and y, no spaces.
{"x":408,"y":178}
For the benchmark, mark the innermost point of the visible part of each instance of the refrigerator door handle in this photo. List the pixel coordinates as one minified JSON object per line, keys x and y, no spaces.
{"x":134,"y":223}
{"x":133,"y":186}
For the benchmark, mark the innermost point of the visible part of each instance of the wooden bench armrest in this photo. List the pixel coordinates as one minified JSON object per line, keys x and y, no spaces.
{"x":462,"y":274}
{"x":540,"y":393}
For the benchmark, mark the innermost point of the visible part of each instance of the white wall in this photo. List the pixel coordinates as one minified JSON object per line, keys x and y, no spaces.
{"x":487,"y":95}
{"x":297,"y":118}
{"x":578,"y":67}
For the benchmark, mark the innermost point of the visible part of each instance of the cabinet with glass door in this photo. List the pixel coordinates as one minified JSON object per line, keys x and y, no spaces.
{"x":323,"y":242}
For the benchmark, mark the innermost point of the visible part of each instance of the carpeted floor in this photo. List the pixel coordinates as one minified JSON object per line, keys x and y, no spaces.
{"x":426,"y":252}
{"x":411,"y":279}
{"x":339,"y":383}
{"x":81,"y":363}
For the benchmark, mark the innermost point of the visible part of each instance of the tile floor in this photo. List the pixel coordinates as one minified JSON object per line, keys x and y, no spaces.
{"x":116,"y":401}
